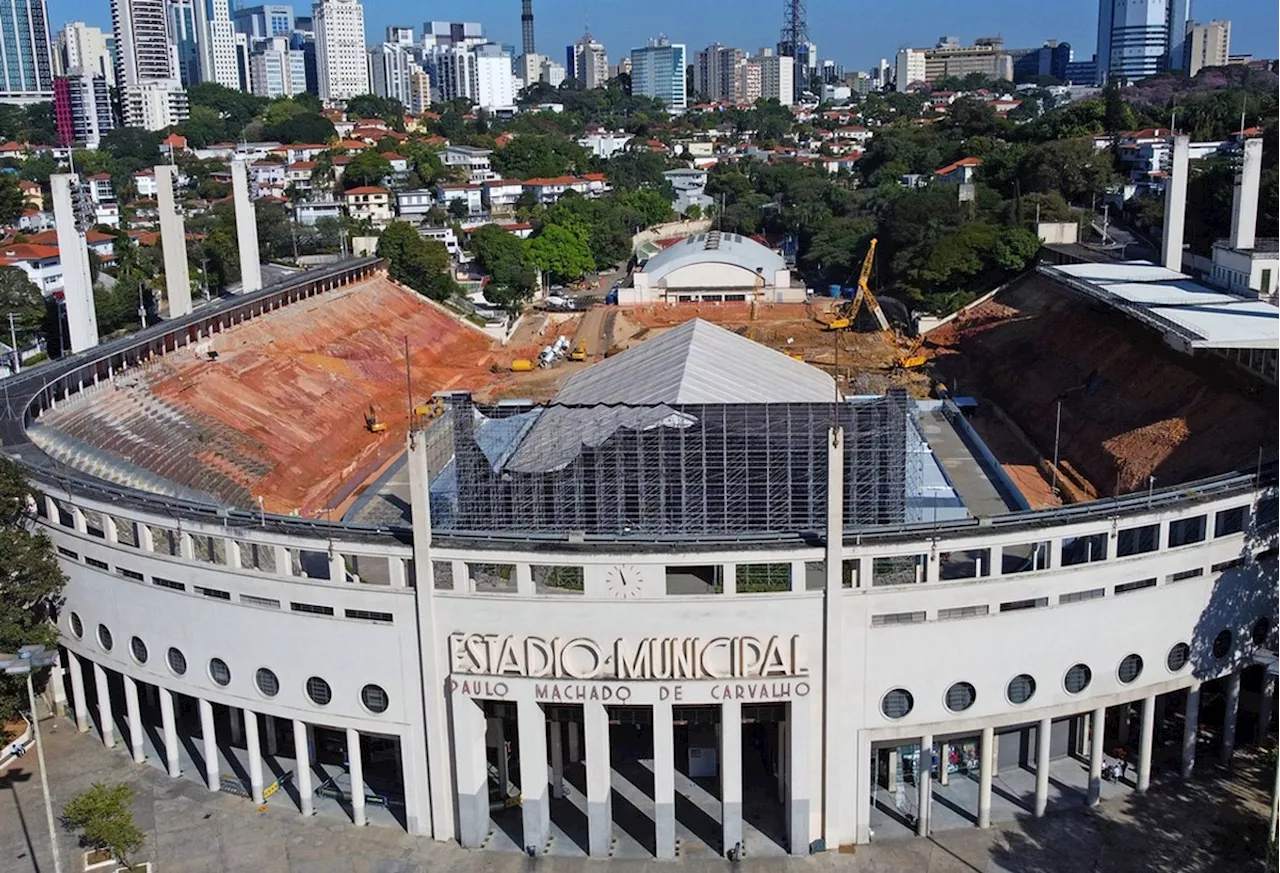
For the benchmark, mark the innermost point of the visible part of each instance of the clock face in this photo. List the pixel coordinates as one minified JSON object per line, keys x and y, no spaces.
{"x":623,"y":582}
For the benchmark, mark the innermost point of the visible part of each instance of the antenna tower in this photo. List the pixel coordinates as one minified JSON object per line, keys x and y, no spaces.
{"x":526,"y":26}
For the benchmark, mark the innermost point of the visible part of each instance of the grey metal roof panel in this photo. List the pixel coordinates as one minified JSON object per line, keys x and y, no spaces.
{"x":729,"y":248}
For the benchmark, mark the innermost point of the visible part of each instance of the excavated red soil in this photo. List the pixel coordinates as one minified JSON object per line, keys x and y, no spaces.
{"x":296,"y":384}
{"x":1132,"y":406}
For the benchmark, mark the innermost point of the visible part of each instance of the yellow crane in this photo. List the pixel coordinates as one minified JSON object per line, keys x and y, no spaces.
{"x":847,"y":313}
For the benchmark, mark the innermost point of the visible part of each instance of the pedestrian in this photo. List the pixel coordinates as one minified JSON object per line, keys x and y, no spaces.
{"x":1124,"y":766}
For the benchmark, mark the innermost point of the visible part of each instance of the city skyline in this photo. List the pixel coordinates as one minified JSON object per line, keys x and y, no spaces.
{"x":854,"y":44}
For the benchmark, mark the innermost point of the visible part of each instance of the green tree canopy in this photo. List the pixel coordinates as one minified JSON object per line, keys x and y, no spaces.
{"x":1072,"y":167}
{"x":366,"y":168}
{"x":504,"y":257}
{"x":103,"y":815}
{"x":304,"y":127}
{"x":421,"y":264}
{"x":531,"y":156}
{"x":561,"y":253}
{"x":19,"y":295}
{"x":388,"y":109}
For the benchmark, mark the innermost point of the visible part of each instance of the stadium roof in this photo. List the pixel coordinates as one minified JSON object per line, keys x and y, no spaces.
{"x":716,"y":248}
{"x":1190,"y":315}
{"x":699,"y":362}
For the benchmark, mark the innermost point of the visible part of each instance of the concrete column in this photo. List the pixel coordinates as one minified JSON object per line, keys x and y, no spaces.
{"x":864,"y":782}
{"x":1175,"y":204}
{"x":535,"y":809}
{"x":145,"y":541}
{"x":231,"y":549}
{"x":302,"y":774}
{"x":177,"y":274}
{"x":664,"y":781}
{"x":78,"y":519}
{"x":1097,"y":730}
{"x":731,"y":773}
{"x":1229,"y":718}
{"x":356,"y":767}
{"x":1190,"y":727}
{"x":891,"y":783}
{"x":57,"y":688}
{"x":924,"y":781}
{"x":273,"y":740}
{"x":556,"y":749}
{"x":337,"y":567}
{"x":210,"y":745}
{"x":80,"y":703}
{"x":135,"y":719}
{"x":1044,"y":734}
{"x":1268,"y":707}
{"x":1244,"y":200}
{"x":838,"y":773}
{"x":284,"y":561}
{"x":253,"y":745}
{"x":186,"y":546}
{"x":246,"y":229}
{"x":104,"y":706}
{"x":524,"y":580}
{"x":395,"y":572}
{"x":170,"y":725}
{"x":799,"y":746}
{"x":986,"y":753}
{"x":599,"y":787}
{"x":575,"y":747}
{"x":77,"y":280}
{"x":472,"y":771}
{"x":109,"y":532}
{"x":1145,"y":742}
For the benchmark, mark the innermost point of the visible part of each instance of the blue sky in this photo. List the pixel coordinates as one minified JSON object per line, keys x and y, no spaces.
{"x":855,"y":35}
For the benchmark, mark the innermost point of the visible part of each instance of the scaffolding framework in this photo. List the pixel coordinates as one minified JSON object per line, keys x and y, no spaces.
{"x":666,"y":470}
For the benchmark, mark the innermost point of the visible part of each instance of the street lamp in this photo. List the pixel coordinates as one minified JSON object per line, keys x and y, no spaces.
{"x":31,"y":658}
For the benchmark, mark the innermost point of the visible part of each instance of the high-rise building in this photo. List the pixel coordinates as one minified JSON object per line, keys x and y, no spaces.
{"x":184,"y":35}
{"x":445,"y":33}
{"x":82,"y":108}
{"x":151,"y":95}
{"x":399,"y":34}
{"x":1208,"y":45}
{"x":341,"y":63}
{"x":26,"y":47}
{"x":526,"y":28}
{"x":909,"y":68}
{"x":748,"y":84}
{"x":528,"y":69}
{"x":1139,"y":38}
{"x":495,"y":85}
{"x":419,"y":91}
{"x":261,"y":22}
{"x":391,"y":69}
{"x":81,"y":47}
{"x":551,"y":72}
{"x":657,"y":71}
{"x":275,"y":69}
{"x":1051,"y":59}
{"x":949,"y":58}
{"x":219,"y":56}
{"x":777,"y":77}
{"x":587,"y":62}
{"x":715,"y":71}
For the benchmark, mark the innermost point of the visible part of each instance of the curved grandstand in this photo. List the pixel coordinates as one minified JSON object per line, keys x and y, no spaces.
{"x":698,"y":599}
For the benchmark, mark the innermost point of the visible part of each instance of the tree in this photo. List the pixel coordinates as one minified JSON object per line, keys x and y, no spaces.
{"x":306,"y":127}
{"x":388,"y":109}
{"x":12,"y":203}
{"x":236,"y":108}
{"x":19,"y":295}
{"x":1072,"y":167}
{"x":458,"y":208}
{"x":204,"y":127}
{"x":421,"y":264}
{"x":366,"y":168}
{"x":647,"y":207}
{"x":133,"y":143}
{"x":32,"y":590}
{"x":504,"y":257}
{"x":531,"y":156}
{"x":560,"y":252}
{"x":103,"y":816}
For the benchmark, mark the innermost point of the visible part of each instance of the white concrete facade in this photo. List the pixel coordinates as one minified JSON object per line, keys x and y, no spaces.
{"x":341,"y":62}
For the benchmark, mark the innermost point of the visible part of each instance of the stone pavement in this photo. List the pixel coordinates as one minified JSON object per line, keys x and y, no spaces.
{"x":1202,"y":827}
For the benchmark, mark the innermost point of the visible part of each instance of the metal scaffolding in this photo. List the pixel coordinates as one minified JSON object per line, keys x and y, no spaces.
{"x":667,"y":469}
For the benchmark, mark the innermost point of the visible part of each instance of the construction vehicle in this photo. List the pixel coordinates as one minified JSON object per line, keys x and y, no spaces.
{"x":372,"y":422}
{"x":846,"y":315}
{"x":521,"y":365}
{"x":579,"y":352}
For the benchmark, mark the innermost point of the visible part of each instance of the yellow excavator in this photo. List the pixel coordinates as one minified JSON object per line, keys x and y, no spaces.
{"x":846,"y":314}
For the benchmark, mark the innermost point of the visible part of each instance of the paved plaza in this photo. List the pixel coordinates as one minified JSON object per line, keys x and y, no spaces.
{"x":1215,"y":823}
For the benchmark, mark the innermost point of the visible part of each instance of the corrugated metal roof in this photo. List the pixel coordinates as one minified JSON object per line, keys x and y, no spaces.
{"x":716,"y":248}
{"x":698,"y":362}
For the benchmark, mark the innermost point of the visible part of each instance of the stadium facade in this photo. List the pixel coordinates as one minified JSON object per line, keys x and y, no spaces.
{"x":702,"y":588}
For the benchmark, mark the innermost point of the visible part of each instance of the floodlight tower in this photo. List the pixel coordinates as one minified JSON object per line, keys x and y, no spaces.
{"x":794,"y":40}
{"x":526,"y":26}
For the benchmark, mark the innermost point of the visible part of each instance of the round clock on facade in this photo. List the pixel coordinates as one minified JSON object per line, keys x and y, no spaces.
{"x":623,"y":582}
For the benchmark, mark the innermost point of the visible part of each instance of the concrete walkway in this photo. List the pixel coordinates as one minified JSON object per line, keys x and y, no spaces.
{"x":191,"y":830}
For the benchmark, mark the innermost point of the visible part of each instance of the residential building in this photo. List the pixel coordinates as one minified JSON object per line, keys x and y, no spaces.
{"x":26,"y":46}
{"x":464,"y":192}
{"x":81,"y":47}
{"x":552,"y":72}
{"x":715,"y":72}
{"x":185,"y":38}
{"x":587,"y":62}
{"x":528,"y":69}
{"x":604,"y":144}
{"x":391,"y":69}
{"x":1208,"y":45}
{"x":500,"y":195}
{"x":220,"y":58}
{"x":82,"y":108}
{"x":155,"y":105}
{"x":340,"y":49}
{"x":415,"y":202}
{"x":909,"y":69}
{"x":310,"y":211}
{"x":948,"y":58}
{"x":1139,"y":38}
{"x":32,"y":195}
{"x":959,"y":173}
{"x":419,"y":91}
{"x":474,"y":161}
{"x":446,"y":33}
{"x":151,"y":96}
{"x":241,"y":49}
{"x":690,"y":189}
{"x":263,"y":22}
{"x":399,"y":34}
{"x":749,"y":82}
{"x":494,"y":85}
{"x":370,"y":203}
{"x":777,"y":78}
{"x":276,"y":70}
{"x":548,"y":191}
{"x":657,"y":71}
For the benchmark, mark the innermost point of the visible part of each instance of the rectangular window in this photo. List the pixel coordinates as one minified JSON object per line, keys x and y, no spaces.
{"x":1084,"y":550}
{"x":366,"y":615}
{"x":556,"y":580}
{"x":1126,"y":587}
{"x":311,"y":608}
{"x":1187,"y":574}
{"x":1138,"y":540}
{"x":707,"y":579}
{"x":67,"y":553}
{"x":1230,"y":521}
{"x":129,"y":574}
{"x":1081,"y":596}
{"x":889,"y":618}
{"x":94,"y":562}
{"x":968,"y":564}
{"x":1186,"y":531}
{"x":762,"y":578}
{"x":963,"y":612}
{"x":215,"y":593}
{"x":492,"y":578}
{"x":898,"y":570}
{"x":168,"y":583}
{"x":1030,"y":603}
{"x":1024,"y":558}
{"x":1227,"y":565}
{"x":265,"y":602}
